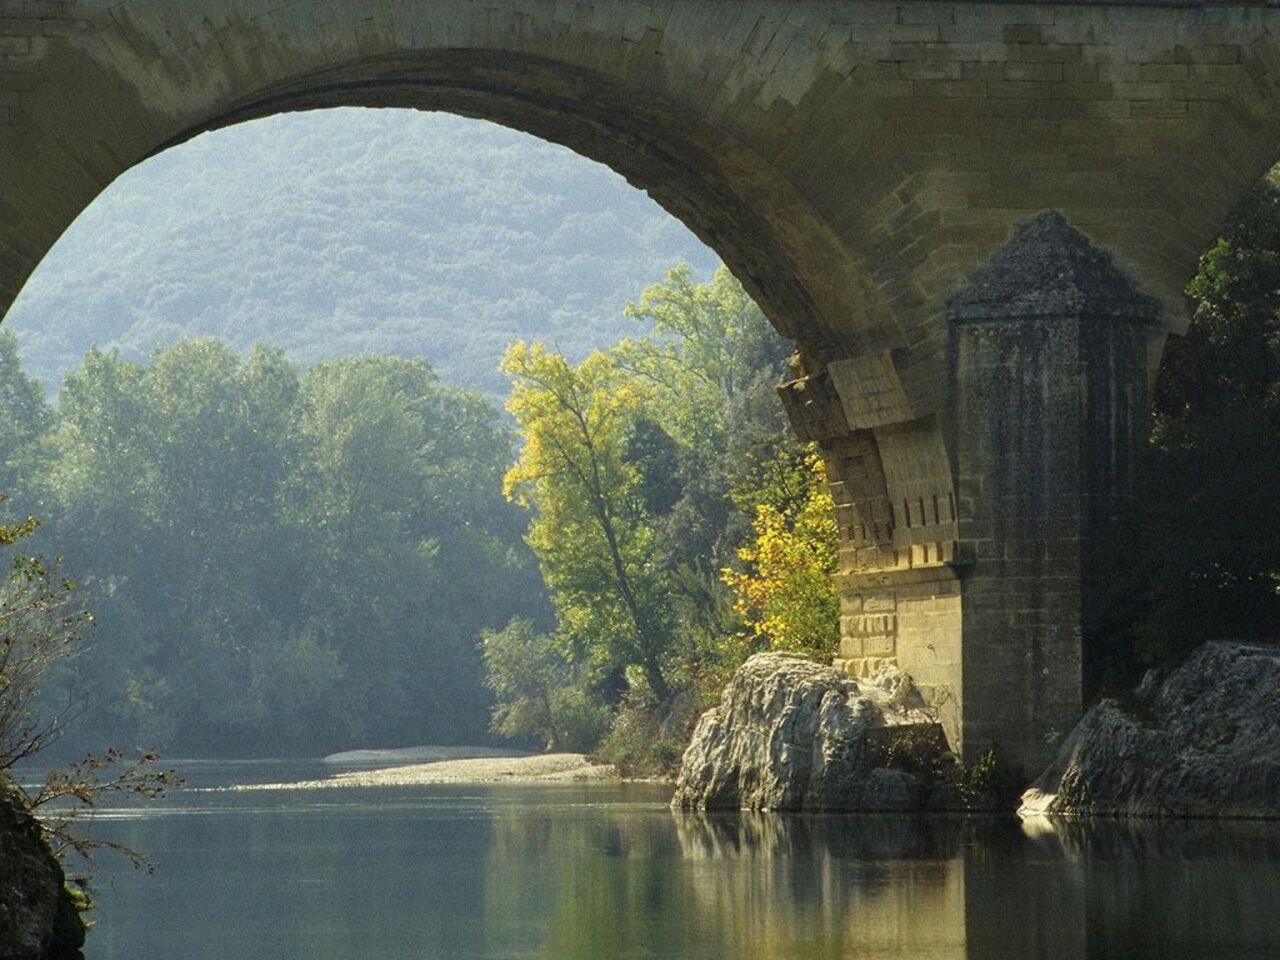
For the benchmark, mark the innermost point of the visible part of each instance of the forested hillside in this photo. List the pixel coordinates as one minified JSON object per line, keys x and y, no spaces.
{"x":354,"y":231}
{"x":278,"y":560}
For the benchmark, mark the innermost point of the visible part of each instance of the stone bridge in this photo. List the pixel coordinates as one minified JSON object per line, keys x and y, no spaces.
{"x":975,"y":220}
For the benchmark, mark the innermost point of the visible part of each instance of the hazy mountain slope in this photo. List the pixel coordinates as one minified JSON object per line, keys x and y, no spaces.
{"x":348,"y":231}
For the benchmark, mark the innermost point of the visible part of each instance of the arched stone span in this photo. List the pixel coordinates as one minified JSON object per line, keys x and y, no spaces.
{"x":732,"y":198}
{"x":853,"y":161}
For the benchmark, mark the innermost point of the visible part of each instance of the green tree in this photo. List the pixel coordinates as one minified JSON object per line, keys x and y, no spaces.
{"x":712,"y":367}
{"x":639,"y":463}
{"x":1206,"y":564}
{"x":786,"y":594}
{"x":282,"y":562}
{"x":24,"y":414}
{"x":41,"y":628}
{"x":590,"y":530}
{"x":708,"y":333}
{"x":398,"y":483}
{"x":536,"y":691}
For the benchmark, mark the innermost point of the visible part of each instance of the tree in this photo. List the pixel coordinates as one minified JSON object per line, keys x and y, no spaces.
{"x":41,"y":628}
{"x":711,"y":333}
{"x":591,"y":530}
{"x":282,"y":562}
{"x":1206,"y":567}
{"x":786,"y":595}
{"x":713,"y":365}
{"x":24,"y":413}
{"x":641,"y":464}
{"x":535,"y":689}
{"x":398,"y":484}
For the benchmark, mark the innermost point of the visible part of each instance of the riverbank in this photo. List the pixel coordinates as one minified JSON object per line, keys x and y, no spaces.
{"x":538,"y":768}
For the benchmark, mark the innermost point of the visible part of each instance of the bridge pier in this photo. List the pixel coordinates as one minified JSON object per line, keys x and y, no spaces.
{"x":1051,"y":350}
{"x":979,"y":578}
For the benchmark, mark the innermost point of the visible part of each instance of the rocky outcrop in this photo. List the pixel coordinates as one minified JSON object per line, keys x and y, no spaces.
{"x":791,"y":734}
{"x":1198,"y":740}
{"x":38,"y":920}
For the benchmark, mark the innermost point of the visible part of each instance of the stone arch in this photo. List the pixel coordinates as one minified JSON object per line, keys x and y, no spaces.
{"x":106,"y":88}
{"x":806,"y":281}
{"x":109,"y":87}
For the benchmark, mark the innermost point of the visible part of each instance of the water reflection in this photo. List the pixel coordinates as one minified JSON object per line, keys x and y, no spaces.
{"x":1177,"y":889}
{"x":827,"y":887}
{"x":770,"y":887}
{"x":600,"y":873}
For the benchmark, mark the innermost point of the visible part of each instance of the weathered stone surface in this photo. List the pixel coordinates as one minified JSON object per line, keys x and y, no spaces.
{"x":1050,"y":356}
{"x":37,"y":918}
{"x":1200,"y":740}
{"x":791,"y":734}
{"x":1050,"y":269}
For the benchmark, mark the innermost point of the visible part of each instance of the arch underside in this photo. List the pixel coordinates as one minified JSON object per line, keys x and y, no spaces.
{"x":770,"y":238}
{"x":805,"y":279}
{"x":803,"y":276}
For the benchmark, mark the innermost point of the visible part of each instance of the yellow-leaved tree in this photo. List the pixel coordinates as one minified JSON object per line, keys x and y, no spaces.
{"x":590,"y":528}
{"x":785,"y":594}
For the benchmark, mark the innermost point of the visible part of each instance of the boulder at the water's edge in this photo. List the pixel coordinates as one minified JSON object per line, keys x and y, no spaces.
{"x":1201,"y":739}
{"x":792,"y":734}
{"x":38,"y":918}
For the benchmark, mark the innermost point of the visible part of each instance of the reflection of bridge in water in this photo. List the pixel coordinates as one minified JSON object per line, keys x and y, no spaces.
{"x":608,"y":872}
{"x":977,"y":395}
{"x":776,"y":887}
{"x":950,"y":888}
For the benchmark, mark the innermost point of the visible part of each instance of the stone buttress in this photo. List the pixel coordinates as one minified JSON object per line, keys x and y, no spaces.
{"x":978,"y":579}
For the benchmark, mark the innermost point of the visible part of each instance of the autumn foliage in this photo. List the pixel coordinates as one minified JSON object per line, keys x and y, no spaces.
{"x":785,"y":594}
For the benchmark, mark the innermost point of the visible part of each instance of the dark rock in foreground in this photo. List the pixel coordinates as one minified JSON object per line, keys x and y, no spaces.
{"x":791,"y":734}
{"x":37,"y":918}
{"x":1199,"y":740}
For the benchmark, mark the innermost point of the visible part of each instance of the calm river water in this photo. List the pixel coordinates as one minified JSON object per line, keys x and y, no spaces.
{"x":600,"y":872}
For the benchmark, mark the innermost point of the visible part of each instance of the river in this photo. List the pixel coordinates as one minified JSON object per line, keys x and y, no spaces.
{"x":594,"y":872}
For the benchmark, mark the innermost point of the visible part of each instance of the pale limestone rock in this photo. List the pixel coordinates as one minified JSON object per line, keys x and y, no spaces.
{"x":1198,"y":740}
{"x":792,"y":734}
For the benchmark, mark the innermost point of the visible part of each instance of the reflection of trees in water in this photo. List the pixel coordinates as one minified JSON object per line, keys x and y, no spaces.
{"x":859,"y":837}
{"x":756,"y":886}
{"x":642,"y":883}
{"x":606,"y":887}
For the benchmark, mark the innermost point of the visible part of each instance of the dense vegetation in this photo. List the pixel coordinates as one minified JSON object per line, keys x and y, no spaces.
{"x":1204,"y":565}
{"x":293,"y":561}
{"x":289,"y":560}
{"x":352,"y":231}
{"x":643,"y":463}
{"x":279,"y":560}
{"x":42,"y":627}
{"x":677,"y":525}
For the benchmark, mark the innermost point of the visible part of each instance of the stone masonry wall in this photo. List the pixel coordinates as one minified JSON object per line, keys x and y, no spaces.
{"x":1050,"y":350}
